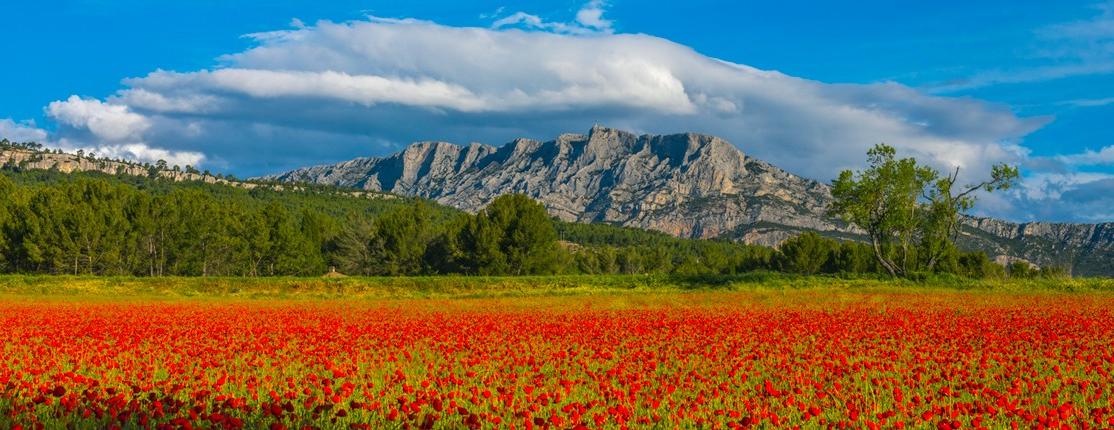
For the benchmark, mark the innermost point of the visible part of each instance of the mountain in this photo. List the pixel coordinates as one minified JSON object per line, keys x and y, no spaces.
{"x":686,"y":185}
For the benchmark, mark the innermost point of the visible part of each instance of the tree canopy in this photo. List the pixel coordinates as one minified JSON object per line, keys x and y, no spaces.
{"x":908,"y":211}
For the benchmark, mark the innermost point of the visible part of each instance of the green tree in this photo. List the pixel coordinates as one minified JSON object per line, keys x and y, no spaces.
{"x":883,"y":201}
{"x":402,"y":238}
{"x":8,"y":191}
{"x":806,"y":253}
{"x":354,"y":244}
{"x":1021,"y":270}
{"x":910,"y":213}
{"x":940,"y":226}
{"x":512,"y":235}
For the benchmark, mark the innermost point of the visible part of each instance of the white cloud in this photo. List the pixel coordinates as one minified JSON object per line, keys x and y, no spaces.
{"x":1090,"y":37}
{"x":1104,"y":156}
{"x":405,"y":80}
{"x":1090,"y":102}
{"x":589,"y":20}
{"x":115,"y":130}
{"x":159,"y":102}
{"x":1044,"y":185}
{"x":591,"y":16}
{"x":366,"y":90}
{"x":24,"y":131}
{"x":1068,"y":196}
{"x":110,"y":122}
{"x":144,"y":153}
{"x":137,"y":151}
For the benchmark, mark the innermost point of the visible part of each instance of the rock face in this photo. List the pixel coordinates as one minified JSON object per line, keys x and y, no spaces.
{"x":1087,"y":249}
{"x":687,"y":185}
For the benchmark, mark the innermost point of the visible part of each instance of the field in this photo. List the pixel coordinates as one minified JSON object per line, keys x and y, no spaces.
{"x":554,"y":353}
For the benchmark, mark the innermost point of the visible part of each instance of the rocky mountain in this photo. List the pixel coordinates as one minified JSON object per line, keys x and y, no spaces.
{"x":687,"y":185}
{"x":1088,"y":249}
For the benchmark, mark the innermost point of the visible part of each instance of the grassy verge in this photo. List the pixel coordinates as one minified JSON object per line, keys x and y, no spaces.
{"x":471,"y":286}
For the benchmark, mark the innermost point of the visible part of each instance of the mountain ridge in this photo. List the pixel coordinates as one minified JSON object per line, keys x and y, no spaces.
{"x":652,"y":182}
{"x":40,"y":159}
{"x":685,"y":184}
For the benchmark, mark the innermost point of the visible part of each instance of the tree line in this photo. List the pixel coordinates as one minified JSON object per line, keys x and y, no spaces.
{"x":94,"y":224}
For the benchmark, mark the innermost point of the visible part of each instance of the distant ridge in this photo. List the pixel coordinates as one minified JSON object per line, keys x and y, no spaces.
{"x":37,"y":159}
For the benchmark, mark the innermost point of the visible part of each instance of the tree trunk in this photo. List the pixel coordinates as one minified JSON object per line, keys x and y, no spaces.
{"x":879,"y":255}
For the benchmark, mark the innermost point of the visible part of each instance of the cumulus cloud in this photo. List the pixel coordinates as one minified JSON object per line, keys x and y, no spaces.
{"x":114,"y":130}
{"x":110,"y":122}
{"x":24,"y":131}
{"x":142,"y":152}
{"x":1104,"y":157}
{"x":591,"y":16}
{"x":329,"y":91}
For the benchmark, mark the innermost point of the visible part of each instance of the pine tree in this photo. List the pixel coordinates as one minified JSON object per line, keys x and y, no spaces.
{"x":805,"y":253}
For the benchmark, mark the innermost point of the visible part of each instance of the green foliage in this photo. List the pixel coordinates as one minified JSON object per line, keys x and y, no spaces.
{"x":909,"y":212}
{"x":512,"y":235}
{"x":105,"y":225}
{"x":358,"y":288}
{"x":30,"y":146}
{"x":7,"y":191}
{"x":883,"y":201}
{"x":806,"y":253}
{"x":395,"y":243}
{"x":1020,"y":269}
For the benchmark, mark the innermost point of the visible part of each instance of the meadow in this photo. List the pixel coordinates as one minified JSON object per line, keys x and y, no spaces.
{"x":756,"y":351}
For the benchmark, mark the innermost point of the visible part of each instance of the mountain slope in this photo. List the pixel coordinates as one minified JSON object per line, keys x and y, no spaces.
{"x":687,"y":185}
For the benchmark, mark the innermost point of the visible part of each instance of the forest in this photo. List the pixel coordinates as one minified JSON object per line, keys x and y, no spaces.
{"x":97,"y":224}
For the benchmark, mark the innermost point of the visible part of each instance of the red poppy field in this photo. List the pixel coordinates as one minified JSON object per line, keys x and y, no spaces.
{"x":805,"y":359}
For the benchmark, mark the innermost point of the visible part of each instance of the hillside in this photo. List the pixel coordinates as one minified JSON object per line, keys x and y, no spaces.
{"x":686,"y":185}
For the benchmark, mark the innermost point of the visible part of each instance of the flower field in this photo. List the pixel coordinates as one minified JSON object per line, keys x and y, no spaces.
{"x":800,"y":359}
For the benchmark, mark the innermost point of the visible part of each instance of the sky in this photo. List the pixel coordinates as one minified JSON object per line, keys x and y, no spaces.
{"x":254,"y":87}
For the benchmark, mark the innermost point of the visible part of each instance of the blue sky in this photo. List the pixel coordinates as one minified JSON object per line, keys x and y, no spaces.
{"x":1031,"y":83}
